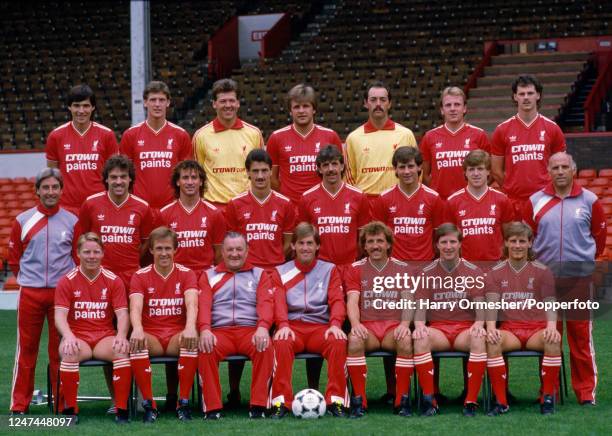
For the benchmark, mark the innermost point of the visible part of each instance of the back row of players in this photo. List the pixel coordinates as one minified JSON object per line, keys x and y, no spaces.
{"x":297,"y":154}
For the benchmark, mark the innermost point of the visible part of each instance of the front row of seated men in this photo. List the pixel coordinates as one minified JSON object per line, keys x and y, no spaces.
{"x":234,"y":306}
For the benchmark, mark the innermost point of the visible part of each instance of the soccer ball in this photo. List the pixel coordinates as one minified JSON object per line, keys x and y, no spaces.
{"x":308,"y":404}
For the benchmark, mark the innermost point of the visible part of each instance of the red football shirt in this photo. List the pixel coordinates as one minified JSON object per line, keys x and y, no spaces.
{"x":338,"y":218}
{"x":363,"y":277}
{"x":122,"y":228}
{"x":197,"y":230}
{"x":533,"y":281}
{"x":80,"y":158}
{"x":412,"y":219}
{"x":155,"y":154}
{"x":445,"y":151}
{"x":295,"y":155}
{"x":526,"y":149}
{"x":438,"y":285}
{"x":480,"y":220}
{"x":263,"y":223}
{"x":163,"y":307}
{"x":90,"y":303}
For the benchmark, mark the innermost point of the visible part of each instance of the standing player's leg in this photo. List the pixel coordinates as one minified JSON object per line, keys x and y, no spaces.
{"x":53,"y":347}
{"x":31,"y":313}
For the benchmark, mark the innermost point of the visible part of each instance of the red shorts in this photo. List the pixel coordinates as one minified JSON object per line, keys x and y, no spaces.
{"x":523,"y":331}
{"x":380,"y":328}
{"x":163,"y":336}
{"x":92,"y":338}
{"x":451,"y":329}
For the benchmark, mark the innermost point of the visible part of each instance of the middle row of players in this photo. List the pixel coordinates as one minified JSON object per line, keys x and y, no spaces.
{"x":338,"y":210}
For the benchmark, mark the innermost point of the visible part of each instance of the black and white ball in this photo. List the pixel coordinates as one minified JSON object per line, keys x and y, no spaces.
{"x":308,"y":404}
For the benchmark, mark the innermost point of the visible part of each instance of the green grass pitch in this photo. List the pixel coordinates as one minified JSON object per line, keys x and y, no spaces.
{"x":524,"y":418}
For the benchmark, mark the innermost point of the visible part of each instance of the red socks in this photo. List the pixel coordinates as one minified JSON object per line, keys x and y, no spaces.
{"x":476,"y":366}
{"x":358,"y":371}
{"x":550,"y":374}
{"x":425,"y":369}
{"x":497,"y":374}
{"x":187,"y":366}
{"x":122,"y":380}
{"x":69,"y":379}
{"x":141,"y":367}
{"x":404,"y":367}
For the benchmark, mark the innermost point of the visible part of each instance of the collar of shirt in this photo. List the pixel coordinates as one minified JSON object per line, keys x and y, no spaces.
{"x":47,"y":212}
{"x":368,"y":127}
{"x":223,"y":268}
{"x":238,"y":124}
{"x":575,"y":192}
{"x":305,"y":268}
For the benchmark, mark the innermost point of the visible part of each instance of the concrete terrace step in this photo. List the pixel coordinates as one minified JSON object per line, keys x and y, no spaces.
{"x":547,"y":78}
{"x":539,"y":57}
{"x":535,"y":68}
{"x":475,"y":103}
{"x":502,"y":114}
{"x":503,"y":91}
{"x":498,"y":91}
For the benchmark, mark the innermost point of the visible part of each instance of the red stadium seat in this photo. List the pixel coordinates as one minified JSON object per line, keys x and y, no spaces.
{"x":6,"y":188}
{"x":28,"y":204}
{"x":5,"y":181}
{"x":26,"y":187}
{"x":20,"y":180}
{"x":609,"y":230}
{"x":605,"y":172}
{"x":583,"y":182}
{"x":5,"y":231}
{"x":606,"y":199}
{"x":597,"y":190}
{"x":607,"y":209}
{"x":587,"y":173}
{"x":11,"y":284}
{"x":8,"y":196}
{"x":600,"y":181}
